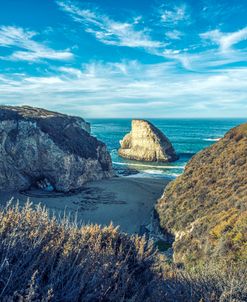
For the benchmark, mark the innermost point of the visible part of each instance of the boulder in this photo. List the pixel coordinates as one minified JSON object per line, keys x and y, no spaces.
{"x":145,"y":142}
{"x":43,"y":147}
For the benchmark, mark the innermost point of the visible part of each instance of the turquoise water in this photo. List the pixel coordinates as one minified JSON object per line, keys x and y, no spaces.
{"x":188,"y":136}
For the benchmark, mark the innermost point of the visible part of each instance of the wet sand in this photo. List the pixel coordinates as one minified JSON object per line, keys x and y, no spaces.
{"x":127,"y":202}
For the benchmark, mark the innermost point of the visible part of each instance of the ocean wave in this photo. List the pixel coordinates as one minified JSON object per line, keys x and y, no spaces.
{"x":148,"y":174}
{"x":153,"y":171}
{"x":212,"y":139}
{"x":174,"y":175}
{"x":148,"y":166}
{"x":161,"y":173}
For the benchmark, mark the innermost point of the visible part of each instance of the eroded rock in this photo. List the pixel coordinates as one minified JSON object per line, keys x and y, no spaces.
{"x":145,"y":142}
{"x":39,"y":144}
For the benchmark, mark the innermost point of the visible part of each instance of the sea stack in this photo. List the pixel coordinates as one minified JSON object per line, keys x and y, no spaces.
{"x":206,"y":207}
{"x":49,"y":149}
{"x":145,"y":142}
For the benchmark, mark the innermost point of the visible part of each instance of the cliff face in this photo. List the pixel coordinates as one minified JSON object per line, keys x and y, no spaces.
{"x":206,"y":207}
{"x":37,"y":144}
{"x":146,"y":143}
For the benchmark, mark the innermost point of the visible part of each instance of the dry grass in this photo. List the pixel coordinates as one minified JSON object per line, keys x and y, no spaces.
{"x":212,"y":282}
{"x":42,"y":259}
{"x":206,"y":207}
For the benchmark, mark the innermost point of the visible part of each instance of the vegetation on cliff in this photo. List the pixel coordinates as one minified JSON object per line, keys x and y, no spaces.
{"x":206,"y":207}
{"x":42,"y":259}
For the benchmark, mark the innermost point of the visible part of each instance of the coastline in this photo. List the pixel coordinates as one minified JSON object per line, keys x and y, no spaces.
{"x":127,"y":202}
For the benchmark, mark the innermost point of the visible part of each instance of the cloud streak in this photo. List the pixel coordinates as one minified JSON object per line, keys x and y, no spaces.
{"x":174,"y":34}
{"x":109,"y":31}
{"x":186,"y":69}
{"x":172,"y":19}
{"x":29,"y":49}
{"x":129,"y":89}
{"x":225,"y":40}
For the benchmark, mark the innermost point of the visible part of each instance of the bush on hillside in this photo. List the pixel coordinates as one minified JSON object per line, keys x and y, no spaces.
{"x":206,"y":207}
{"x":42,"y":259}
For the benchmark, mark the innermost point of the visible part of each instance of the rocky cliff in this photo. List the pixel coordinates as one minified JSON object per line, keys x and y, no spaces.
{"x":206,"y":207}
{"x":40,"y":146}
{"x":145,"y":142}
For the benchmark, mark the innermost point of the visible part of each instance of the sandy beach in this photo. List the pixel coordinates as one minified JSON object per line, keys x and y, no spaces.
{"x":127,"y":202}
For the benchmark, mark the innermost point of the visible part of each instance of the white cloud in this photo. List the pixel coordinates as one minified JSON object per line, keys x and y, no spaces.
{"x":206,"y":60}
{"x":173,"y":14}
{"x":225,"y":40}
{"x":30,"y":50}
{"x":128,"y":89}
{"x":109,"y":31}
{"x":187,"y":82}
{"x":174,"y":34}
{"x":71,"y":71}
{"x":44,"y":80}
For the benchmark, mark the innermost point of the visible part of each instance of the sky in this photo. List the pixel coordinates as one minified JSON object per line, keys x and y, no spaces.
{"x":125,"y":58}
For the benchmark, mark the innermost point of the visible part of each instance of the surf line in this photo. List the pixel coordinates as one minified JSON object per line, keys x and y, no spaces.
{"x":148,"y":166}
{"x":212,"y":139}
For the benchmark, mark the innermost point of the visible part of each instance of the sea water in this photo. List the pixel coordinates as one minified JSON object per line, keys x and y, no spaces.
{"x":188,"y":137}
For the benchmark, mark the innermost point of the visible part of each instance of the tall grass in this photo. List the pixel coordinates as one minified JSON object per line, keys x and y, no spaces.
{"x":42,"y":259}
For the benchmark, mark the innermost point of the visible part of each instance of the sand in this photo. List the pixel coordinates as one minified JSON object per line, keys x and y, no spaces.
{"x":127,"y":202}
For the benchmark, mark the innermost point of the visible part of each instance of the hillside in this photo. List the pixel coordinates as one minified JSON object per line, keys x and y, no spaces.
{"x":206,"y":207}
{"x":42,"y":259}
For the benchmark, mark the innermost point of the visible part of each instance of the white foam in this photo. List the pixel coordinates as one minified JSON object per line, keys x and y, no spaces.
{"x":146,"y":174}
{"x":153,"y":171}
{"x":148,"y":166}
{"x":175,"y":174}
{"x":212,"y":139}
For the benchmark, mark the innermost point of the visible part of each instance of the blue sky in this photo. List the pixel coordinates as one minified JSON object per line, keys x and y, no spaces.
{"x":127,"y":58}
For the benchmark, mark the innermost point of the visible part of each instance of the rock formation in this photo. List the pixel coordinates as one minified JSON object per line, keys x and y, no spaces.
{"x":206,"y":207}
{"x":40,"y":146}
{"x":146,"y":143}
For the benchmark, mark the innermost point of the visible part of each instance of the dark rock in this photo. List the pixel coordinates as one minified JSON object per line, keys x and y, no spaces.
{"x":38,"y":144}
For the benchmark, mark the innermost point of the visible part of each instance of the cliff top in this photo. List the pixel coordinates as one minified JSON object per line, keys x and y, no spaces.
{"x":28,"y":112}
{"x":237,"y":133}
{"x":70,"y":133}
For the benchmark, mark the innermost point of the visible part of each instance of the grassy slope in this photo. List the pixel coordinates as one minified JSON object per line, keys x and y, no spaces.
{"x":43,"y":260}
{"x":206,"y":207}
{"x":60,"y":262}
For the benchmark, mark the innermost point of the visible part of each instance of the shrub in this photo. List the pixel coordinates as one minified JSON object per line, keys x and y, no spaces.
{"x":43,"y":259}
{"x":206,"y":207}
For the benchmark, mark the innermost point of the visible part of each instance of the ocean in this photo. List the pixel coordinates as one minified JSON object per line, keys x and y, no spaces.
{"x":188,"y":137}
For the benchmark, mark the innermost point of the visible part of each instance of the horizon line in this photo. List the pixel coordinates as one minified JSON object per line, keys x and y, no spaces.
{"x":157,"y":118}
